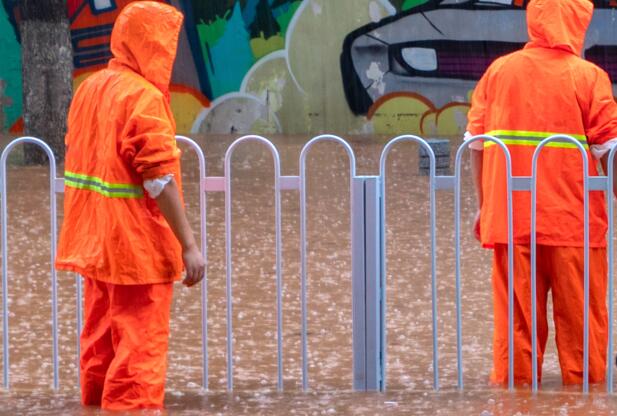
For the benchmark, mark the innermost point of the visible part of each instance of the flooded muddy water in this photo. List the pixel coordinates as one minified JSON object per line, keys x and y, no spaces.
{"x":409,"y":353}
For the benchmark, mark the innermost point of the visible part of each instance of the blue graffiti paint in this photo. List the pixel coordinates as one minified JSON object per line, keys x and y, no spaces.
{"x":231,"y":56}
{"x":249,"y":11}
{"x":283,"y":8}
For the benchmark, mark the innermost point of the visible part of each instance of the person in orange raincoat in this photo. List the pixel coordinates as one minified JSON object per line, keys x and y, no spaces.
{"x":124,"y":229}
{"x":544,"y":89}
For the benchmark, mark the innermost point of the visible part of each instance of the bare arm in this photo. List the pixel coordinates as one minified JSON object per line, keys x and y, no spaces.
{"x":171,"y":207}
{"x":477,"y":158}
{"x":604,"y":162}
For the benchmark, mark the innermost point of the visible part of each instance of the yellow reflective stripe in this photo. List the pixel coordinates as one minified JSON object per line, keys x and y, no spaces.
{"x":533,"y":138}
{"x":99,"y":181}
{"x":110,"y":190}
{"x":534,"y":134}
{"x":98,"y":190}
{"x":534,"y":143}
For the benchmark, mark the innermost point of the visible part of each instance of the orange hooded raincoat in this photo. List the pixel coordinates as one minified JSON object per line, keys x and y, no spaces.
{"x":524,"y":97}
{"x":121,"y":133}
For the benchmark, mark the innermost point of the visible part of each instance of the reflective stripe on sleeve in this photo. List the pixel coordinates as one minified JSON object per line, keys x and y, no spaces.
{"x":107,"y":189}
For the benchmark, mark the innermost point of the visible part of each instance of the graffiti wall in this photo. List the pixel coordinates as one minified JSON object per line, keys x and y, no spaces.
{"x":10,"y":72}
{"x":309,"y":66}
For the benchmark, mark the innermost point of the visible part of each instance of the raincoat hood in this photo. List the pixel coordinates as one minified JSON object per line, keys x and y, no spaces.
{"x":145,"y":39}
{"x":559,"y":24}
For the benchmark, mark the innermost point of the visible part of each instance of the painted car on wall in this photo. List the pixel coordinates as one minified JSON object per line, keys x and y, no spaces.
{"x":273,"y":65}
{"x":441,"y":49}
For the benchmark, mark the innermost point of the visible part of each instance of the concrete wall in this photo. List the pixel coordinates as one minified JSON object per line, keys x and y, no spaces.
{"x":310,"y":66}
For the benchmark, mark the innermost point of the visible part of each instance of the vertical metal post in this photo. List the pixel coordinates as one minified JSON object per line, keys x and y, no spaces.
{"x":534,"y":334}
{"x":358,"y":285}
{"x":78,"y":317}
{"x":5,"y":296}
{"x":304,"y":273}
{"x":432,"y":224}
{"x":611,"y":274}
{"x":52,"y":262}
{"x":586,"y":268}
{"x":204,"y":252}
{"x":54,"y":284}
{"x":586,"y":275}
{"x":303,"y":236}
{"x":373,"y":261}
{"x":457,"y":266}
{"x":278,"y":249}
{"x":457,"y":238}
{"x":366,"y":284}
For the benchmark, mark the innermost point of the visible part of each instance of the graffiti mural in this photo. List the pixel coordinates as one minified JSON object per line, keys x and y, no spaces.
{"x":430,"y":55}
{"x":91,"y":24}
{"x":235,"y":34}
{"x":10,"y":70}
{"x":311,"y":66}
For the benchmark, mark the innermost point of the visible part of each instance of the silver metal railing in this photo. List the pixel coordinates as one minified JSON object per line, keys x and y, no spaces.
{"x":53,"y":185}
{"x":368,"y":251}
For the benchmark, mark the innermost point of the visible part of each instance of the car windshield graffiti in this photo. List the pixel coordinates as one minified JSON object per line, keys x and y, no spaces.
{"x":441,"y":48}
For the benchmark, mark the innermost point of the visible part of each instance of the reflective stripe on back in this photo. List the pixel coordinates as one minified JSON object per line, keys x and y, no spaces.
{"x":533,"y":138}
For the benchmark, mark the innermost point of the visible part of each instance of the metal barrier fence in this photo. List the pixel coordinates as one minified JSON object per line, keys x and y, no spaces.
{"x":368,"y":253}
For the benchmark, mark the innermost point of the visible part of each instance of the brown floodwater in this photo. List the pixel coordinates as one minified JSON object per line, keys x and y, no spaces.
{"x":409,"y":353}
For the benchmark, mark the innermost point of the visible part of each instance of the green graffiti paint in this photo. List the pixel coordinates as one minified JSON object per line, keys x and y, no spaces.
{"x":408,"y":4}
{"x":285,"y":18}
{"x":213,"y":31}
{"x":10,"y":74}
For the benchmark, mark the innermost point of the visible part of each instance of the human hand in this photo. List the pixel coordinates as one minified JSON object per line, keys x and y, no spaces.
{"x":476,"y":226}
{"x":194,"y":265}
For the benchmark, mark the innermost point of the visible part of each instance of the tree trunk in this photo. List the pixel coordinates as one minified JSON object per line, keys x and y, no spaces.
{"x":47,"y":63}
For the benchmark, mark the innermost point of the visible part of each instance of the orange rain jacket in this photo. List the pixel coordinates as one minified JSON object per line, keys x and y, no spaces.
{"x":120,"y":133}
{"x":526,"y":96}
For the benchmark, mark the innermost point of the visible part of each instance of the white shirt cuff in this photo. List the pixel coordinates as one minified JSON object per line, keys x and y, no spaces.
{"x":477,"y":145}
{"x":154,"y":187}
{"x":599,"y":150}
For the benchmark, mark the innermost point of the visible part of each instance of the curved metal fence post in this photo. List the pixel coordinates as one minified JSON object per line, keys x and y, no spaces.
{"x":279,"y":283}
{"x":534,"y":334}
{"x":432,"y":206}
{"x":457,"y":232}
{"x":204,"y":252}
{"x":5,"y":297}
{"x":78,"y":320}
{"x":611,"y":274}
{"x":54,"y":283}
{"x":303,"y":234}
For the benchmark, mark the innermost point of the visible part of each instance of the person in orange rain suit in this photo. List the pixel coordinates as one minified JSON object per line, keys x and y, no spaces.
{"x":524,"y":97}
{"x":125,"y":230}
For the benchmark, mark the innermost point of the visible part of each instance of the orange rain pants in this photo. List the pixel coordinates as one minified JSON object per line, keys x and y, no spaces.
{"x":124,"y":345}
{"x":559,"y":269}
